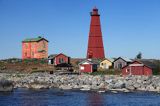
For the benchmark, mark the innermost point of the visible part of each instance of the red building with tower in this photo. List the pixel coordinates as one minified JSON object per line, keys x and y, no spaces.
{"x":95,"y":41}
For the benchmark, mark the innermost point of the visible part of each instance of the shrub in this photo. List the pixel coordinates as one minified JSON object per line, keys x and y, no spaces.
{"x":107,"y":72}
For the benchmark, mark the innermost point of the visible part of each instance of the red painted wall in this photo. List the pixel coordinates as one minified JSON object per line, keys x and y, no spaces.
{"x":87,"y":68}
{"x":147,"y":71}
{"x":31,"y":49}
{"x":61,"y":56}
{"x":137,"y":70}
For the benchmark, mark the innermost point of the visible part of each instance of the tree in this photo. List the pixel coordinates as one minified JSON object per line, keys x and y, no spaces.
{"x":139,"y":55}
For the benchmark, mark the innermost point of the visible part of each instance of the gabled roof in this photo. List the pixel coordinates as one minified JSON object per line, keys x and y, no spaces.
{"x":34,"y":39}
{"x":109,"y":59}
{"x":125,"y":59}
{"x":52,"y":56}
{"x":90,"y":61}
{"x":139,"y":63}
{"x":55,"y":55}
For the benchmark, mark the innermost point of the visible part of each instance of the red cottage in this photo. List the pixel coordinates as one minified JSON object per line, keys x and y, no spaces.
{"x":58,"y":59}
{"x":136,"y":68}
{"x":87,"y":66}
{"x":35,"y":48}
{"x":95,"y":41}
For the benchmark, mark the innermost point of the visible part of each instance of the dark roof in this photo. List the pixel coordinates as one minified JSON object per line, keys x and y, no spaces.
{"x":148,"y":63}
{"x":91,"y":61}
{"x":34,"y":39}
{"x":125,"y":59}
{"x":54,"y":55}
{"x":64,"y":65}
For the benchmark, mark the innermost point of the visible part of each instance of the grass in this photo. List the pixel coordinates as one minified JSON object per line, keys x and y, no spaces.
{"x":38,"y":71}
{"x":106,"y":72}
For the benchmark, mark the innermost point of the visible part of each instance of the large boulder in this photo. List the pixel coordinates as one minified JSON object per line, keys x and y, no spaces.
{"x":119,"y":84}
{"x":6,"y":85}
{"x":38,"y":85}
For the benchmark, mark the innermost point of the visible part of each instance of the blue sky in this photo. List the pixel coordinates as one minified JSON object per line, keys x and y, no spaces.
{"x":128,"y":26}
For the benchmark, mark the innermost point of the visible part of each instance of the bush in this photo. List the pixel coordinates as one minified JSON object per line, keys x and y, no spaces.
{"x":106,"y":72}
{"x":37,"y":71}
{"x":35,"y":61}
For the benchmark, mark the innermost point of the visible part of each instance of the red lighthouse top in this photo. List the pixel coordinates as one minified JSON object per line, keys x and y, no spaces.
{"x":95,"y":12}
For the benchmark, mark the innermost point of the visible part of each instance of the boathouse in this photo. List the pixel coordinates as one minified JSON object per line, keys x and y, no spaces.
{"x":88,"y":66}
{"x":136,"y":68}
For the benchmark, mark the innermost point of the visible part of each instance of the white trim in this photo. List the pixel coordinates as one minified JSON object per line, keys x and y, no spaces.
{"x":91,"y":68}
{"x":55,"y":62}
{"x":136,"y":65}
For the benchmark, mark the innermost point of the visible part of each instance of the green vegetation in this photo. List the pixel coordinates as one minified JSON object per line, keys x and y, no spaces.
{"x":38,"y":71}
{"x":156,"y":71}
{"x":139,"y":56}
{"x":35,"y":61}
{"x":106,"y":72}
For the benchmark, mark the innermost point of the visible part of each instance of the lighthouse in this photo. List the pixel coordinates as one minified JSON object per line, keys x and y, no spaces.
{"x":95,"y":42}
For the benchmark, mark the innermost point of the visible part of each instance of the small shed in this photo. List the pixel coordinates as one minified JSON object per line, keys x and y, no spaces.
{"x":137,"y":68}
{"x":120,"y":62}
{"x":88,"y":66}
{"x":106,"y":63}
{"x":56,"y":59}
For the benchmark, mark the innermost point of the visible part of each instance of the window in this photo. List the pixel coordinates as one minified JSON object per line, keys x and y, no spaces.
{"x":25,"y":53}
{"x":120,"y":66}
{"x":127,"y":70}
{"x":44,"y":45}
{"x":26,"y":46}
{"x":33,"y":54}
{"x":33,"y":46}
{"x":61,"y":60}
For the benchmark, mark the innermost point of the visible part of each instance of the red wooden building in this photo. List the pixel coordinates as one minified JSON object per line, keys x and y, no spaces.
{"x":35,"y":48}
{"x":88,"y":66}
{"x":58,"y":59}
{"x":136,"y":68}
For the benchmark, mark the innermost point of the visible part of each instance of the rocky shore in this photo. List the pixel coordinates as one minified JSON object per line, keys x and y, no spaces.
{"x":81,"y":82}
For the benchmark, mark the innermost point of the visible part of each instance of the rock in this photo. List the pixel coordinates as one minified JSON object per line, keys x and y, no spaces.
{"x":6,"y":85}
{"x":101,"y":91}
{"x":119,"y":84}
{"x":137,"y":85}
{"x":130,"y":87}
{"x":109,"y":81}
{"x":150,"y":88}
{"x":114,"y":91}
{"x":38,"y":86}
{"x":65,"y":87}
{"x":126,"y":90}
